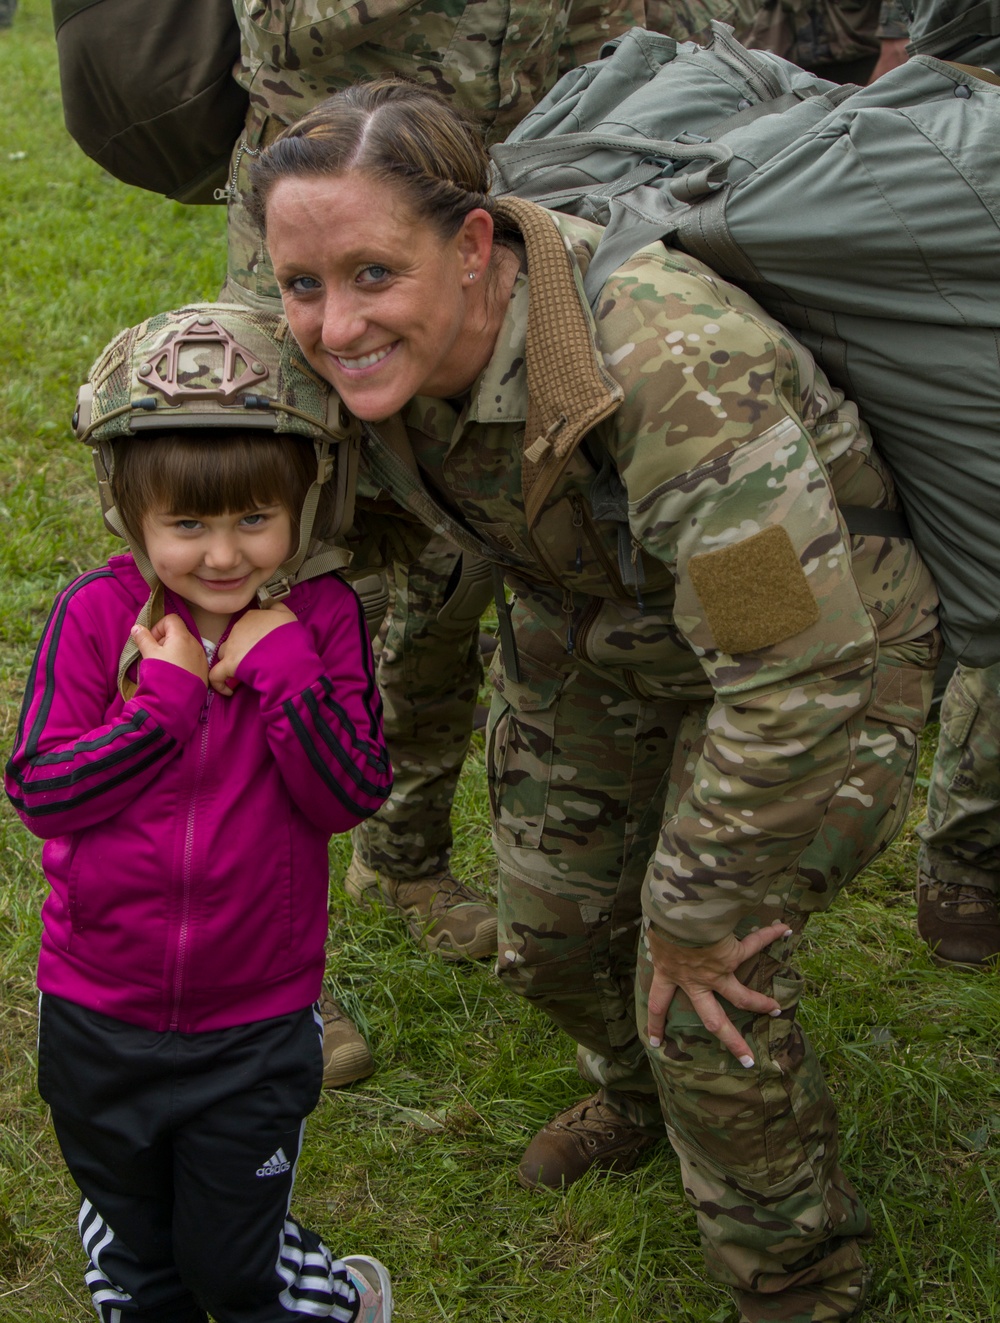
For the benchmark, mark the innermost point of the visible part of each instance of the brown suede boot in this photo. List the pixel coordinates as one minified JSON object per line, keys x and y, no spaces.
{"x":443,"y":914}
{"x":346,"y":1057}
{"x":589,"y":1135}
{"x":960,"y":923}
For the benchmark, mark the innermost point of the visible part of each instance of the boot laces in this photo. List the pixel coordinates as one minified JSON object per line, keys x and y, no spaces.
{"x":964,"y":894}
{"x":446,"y":891}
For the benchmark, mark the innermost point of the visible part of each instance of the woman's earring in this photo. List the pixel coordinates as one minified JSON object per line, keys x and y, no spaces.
{"x":472,"y":275}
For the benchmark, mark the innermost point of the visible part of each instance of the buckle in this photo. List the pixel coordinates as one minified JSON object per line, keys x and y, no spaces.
{"x":274,"y":592}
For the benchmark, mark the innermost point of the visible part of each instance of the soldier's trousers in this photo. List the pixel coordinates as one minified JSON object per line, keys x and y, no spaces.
{"x":430,"y":634}
{"x":961,"y":834}
{"x":581,"y":774}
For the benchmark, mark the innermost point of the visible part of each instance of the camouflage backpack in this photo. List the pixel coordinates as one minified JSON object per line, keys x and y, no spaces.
{"x":865,"y":219}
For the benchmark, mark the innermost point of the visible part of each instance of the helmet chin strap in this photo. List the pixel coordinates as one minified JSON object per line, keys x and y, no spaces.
{"x":299,"y":567}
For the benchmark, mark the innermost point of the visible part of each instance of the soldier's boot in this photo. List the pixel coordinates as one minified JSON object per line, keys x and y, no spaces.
{"x":959,"y":922}
{"x":346,"y":1057}
{"x":588,"y":1136}
{"x":443,"y":914}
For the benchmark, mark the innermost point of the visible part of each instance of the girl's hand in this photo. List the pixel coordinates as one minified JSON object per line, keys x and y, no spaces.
{"x":247,"y":631}
{"x":171,"y":641}
{"x":701,"y":972}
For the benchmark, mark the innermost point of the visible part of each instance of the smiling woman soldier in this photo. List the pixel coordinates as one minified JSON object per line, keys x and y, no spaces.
{"x":705,"y":721}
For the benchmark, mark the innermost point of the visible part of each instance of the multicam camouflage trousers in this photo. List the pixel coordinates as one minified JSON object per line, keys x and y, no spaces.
{"x":961,"y":835}
{"x":581,"y":773}
{"x":431,"y":630}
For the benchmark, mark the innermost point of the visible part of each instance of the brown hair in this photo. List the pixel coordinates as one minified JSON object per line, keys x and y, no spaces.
{"x":201,"y":473}
{"x":391,"y":130}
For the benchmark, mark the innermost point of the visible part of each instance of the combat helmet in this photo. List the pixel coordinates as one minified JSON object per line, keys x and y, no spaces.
{"x":220,"y":365}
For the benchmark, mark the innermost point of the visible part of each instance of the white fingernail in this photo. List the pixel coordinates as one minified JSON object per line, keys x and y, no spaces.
{"x":775,"y":1013}
{"x":746,"y":1061}
{"x":655,"y":1042}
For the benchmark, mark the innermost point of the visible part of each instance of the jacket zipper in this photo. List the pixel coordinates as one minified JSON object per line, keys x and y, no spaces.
{"x":582,"y":520}
{"x":183,"y":935}
{"x":187,"y":884}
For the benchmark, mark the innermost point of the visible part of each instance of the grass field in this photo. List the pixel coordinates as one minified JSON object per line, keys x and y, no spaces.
{"x":417,"y":1163}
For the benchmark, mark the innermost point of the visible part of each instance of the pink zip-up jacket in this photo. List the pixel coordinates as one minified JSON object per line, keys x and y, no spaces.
{"x":185,"y":832}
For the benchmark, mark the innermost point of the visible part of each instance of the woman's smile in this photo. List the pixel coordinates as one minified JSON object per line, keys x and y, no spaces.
{"x":365,"y":361}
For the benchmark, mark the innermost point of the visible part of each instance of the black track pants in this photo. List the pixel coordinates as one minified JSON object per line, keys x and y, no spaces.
{"x":184,"y":1148}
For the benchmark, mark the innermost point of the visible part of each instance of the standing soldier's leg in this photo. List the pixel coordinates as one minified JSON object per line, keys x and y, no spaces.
{"x":958,"y":881}
{"x":578,"y":771}
{"x":429,"y":673}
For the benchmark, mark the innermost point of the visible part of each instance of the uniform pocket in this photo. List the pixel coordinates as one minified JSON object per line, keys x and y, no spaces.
{"x":519,"y":751}
{"x":958,"y":712}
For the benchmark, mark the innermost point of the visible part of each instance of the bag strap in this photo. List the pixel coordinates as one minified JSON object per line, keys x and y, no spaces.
{"x":522,"y":158}
{"x":975,"y":71}
{"x":628,"y":230}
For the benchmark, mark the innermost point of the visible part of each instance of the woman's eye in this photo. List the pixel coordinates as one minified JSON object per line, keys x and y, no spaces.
{"x":302,"y":285}
{"x":374,"y":274}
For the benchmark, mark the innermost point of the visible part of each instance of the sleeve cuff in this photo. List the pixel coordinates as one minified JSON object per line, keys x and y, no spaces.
{"x":172,"y":696}
{"x":281,"y":665}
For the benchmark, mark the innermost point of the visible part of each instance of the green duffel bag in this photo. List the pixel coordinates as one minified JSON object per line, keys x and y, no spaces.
{"x":148,"y":91}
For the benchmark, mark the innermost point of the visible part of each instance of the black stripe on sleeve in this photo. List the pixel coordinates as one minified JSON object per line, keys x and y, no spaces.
{"x":64,"y":806}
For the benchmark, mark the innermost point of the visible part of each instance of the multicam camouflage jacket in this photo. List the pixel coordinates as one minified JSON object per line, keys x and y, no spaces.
{"x":661,"y":485}
{"x":496,"y":58}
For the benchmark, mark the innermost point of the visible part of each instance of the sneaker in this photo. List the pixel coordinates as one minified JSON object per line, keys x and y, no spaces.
{"x":346,"y":1057}
{"x":589,"y":1135}
{"x":371,"y":1280}
{"x":960,"y":923}
{"x":444,"y":915}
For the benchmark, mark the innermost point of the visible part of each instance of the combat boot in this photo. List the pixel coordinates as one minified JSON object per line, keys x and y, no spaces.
{"x":959,"y":922}
{"x":588,"y":1135}
{"x":346,"y":1057}
{"x":443,"y":915}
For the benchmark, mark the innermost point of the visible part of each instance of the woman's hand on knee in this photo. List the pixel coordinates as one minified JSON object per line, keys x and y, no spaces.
{"x":705,"y":973}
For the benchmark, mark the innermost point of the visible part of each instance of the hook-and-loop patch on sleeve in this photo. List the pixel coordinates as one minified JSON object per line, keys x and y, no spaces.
{"x":754,"y":592}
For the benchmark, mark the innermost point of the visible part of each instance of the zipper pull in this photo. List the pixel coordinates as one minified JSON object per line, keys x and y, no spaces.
{"x":568,"y":609}
{"x":638,"y":576}
{"x":577,"y":524}
{"x":209,"y":695}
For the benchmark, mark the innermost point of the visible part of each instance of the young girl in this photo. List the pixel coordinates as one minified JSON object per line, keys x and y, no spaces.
{"x":186,"y":832}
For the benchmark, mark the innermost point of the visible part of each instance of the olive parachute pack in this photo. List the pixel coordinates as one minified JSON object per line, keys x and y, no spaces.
{"x":867,"y":220}
{"x":148,"y":90}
